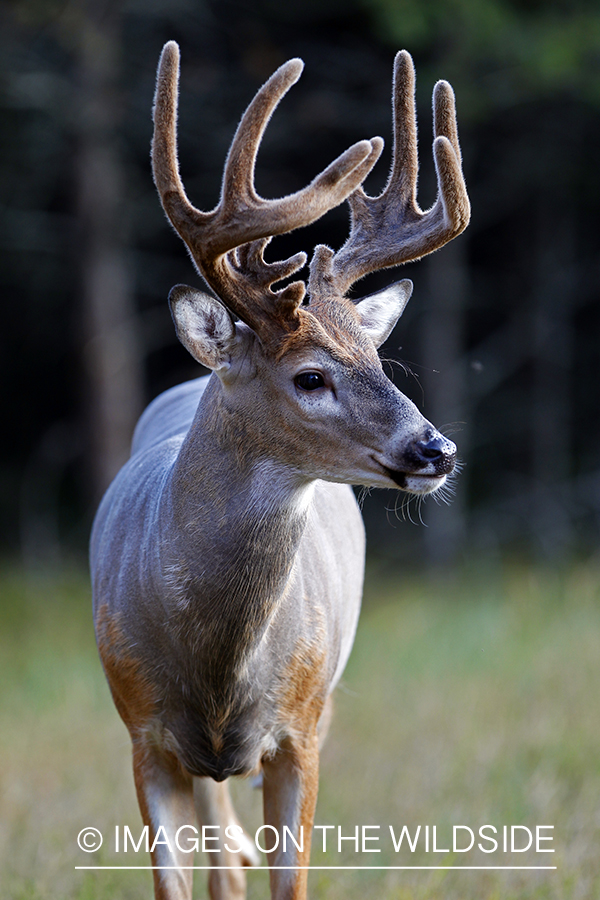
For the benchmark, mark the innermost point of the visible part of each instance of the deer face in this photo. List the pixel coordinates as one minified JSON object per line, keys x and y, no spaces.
{"x":321,"y":404}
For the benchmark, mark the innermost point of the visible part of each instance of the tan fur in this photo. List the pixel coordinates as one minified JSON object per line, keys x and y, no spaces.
{"x":132,"y":690}
{"x":152,"y":767}
{"x":304,"y":692}
{"x":297,"y":766}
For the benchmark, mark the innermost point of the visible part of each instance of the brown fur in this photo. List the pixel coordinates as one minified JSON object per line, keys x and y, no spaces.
{"x":304,"y":689}
{"x":296,"y":764}
{"x":133,"y":692}
{"x":147,"y":760}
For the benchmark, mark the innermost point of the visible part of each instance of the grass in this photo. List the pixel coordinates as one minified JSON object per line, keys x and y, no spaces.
{"x":473,"y":702}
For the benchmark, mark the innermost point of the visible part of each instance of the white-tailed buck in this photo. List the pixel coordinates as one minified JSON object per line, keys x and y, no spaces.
{"x":227,"y":556}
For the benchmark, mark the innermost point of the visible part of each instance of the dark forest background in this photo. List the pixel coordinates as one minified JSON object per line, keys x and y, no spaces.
{"x":499,"y":345}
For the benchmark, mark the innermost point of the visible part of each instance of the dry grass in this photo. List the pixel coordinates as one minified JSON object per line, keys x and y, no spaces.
{"x":471,"y":703}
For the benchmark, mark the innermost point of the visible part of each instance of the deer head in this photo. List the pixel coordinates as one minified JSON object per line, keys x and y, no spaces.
{"x":303,"y":361}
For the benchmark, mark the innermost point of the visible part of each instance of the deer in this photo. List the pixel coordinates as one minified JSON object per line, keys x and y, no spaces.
{"x":227,"y":556}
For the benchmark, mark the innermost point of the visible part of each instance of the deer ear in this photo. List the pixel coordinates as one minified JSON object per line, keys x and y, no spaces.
{"x":203,"y":326}
{"x":379,"y":312}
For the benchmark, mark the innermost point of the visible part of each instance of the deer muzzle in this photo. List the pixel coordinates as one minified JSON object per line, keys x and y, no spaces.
{"x":423,"y":465}
{"x":436,"y":451}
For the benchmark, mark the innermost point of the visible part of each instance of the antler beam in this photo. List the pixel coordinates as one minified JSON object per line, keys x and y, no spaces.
{"x":391,"y":229}
{"x":242,"y":280}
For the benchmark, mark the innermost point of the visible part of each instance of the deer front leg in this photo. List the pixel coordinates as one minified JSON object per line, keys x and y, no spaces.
{"x":290,"y":785}
{"x":214,"y":808}
{"x":165,"y":796}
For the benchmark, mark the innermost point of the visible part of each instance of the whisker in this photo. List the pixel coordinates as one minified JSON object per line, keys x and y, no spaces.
{"x":452,"y":428}
{"x":362,"y":495}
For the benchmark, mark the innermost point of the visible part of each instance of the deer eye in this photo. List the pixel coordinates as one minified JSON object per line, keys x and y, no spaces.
{"x":309,"y":381}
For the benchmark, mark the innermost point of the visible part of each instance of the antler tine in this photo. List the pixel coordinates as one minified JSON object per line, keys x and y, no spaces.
{"x":391,"y":229}
{"x":444,"y":115}
{"x":273,"y":217}
{"x":405,"y":160}
{"x":242,"y":216}
{"x":182,"y":215}
{"x":452,"y":202}
{"x":238,"y":176}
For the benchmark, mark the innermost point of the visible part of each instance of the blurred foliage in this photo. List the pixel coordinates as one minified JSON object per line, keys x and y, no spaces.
{"x":501,"y":52}
{"x":518,"y":363}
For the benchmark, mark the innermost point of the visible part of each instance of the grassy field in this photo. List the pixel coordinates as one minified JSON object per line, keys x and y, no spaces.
{"x":470,"y":703}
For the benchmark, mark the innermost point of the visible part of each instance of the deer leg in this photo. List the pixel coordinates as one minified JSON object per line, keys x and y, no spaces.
{"x":325,"y":721}
{"x":290,"y":796}
{"x":165,"y":797}
{"x":229,"y":848}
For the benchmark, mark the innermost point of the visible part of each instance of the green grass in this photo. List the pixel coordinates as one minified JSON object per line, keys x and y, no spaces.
{"x":473,"y":702}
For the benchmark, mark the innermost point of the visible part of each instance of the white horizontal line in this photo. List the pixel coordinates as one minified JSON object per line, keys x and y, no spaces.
{"x":352,"y":868}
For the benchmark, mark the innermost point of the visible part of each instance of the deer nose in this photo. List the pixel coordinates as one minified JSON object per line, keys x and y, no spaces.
{"x":439,"y":451}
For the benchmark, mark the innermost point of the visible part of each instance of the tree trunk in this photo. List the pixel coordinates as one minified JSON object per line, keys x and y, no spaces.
{"x":111,"y":353}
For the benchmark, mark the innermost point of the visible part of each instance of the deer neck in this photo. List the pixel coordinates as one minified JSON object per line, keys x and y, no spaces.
{"x":239,"y":517}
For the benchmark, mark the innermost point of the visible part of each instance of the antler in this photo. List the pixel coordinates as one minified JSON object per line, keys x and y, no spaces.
{"x":391,"y":229}
{"x":227,"y":244}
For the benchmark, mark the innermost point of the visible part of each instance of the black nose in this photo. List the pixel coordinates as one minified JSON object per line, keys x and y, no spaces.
{"x":439,"y":451}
